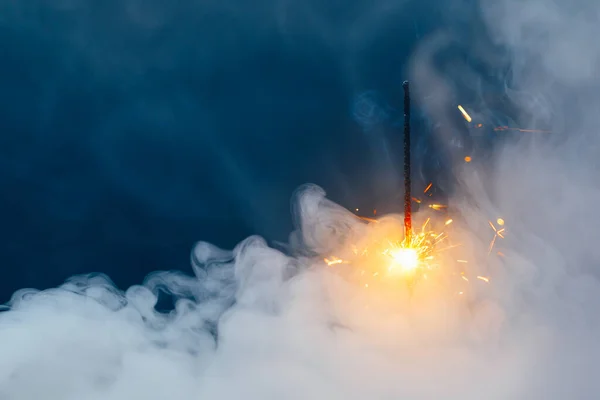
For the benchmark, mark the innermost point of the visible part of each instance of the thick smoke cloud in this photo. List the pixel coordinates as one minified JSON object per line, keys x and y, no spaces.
{"x":259,"y":323}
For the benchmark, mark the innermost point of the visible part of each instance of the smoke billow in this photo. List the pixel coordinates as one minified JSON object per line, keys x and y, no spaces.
{"x":256,"y":323}
{"x":259,"y":323}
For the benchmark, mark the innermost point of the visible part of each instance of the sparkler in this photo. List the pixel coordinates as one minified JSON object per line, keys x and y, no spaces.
{"x":385,"y":254}
{"x":415,"y":254}
{"x":407,"y":183}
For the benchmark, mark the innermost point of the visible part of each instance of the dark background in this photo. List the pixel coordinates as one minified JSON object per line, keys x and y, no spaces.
{"x":129,"y":129}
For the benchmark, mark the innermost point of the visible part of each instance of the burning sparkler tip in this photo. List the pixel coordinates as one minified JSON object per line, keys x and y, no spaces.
{"x":406,"y":258}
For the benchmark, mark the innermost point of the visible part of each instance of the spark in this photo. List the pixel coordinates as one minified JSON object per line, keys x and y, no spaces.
{"x":465,"y":114}
{"x":333,"y":261}
{"x":428,"y":187}
{"x":438,"y":207}
{"x":502,"y":128}
{"x":498,"y":233}
{"x":492,"y":243}
{"x":367,"y":219}
{"x":506,"y":128}
{"x":483,"y":278}
{"x":468,"y":159}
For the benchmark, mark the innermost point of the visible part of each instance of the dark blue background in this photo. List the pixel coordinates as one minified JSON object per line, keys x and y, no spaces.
{"x":130,"y":129}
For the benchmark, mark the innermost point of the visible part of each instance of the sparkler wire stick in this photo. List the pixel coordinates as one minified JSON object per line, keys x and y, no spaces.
{"x":407,"y":183}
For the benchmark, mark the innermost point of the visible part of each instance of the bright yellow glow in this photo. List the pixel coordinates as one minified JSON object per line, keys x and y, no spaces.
{"x":407,"y":259}
{"x":464,"y":113}
{"x":500,"y":221}
{"x":468,"y":159}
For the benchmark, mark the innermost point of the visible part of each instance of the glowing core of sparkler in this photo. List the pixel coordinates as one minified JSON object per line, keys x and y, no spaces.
{"x":406,"y":258}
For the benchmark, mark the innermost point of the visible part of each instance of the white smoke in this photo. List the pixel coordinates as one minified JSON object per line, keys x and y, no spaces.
{"x":256,"y":323}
